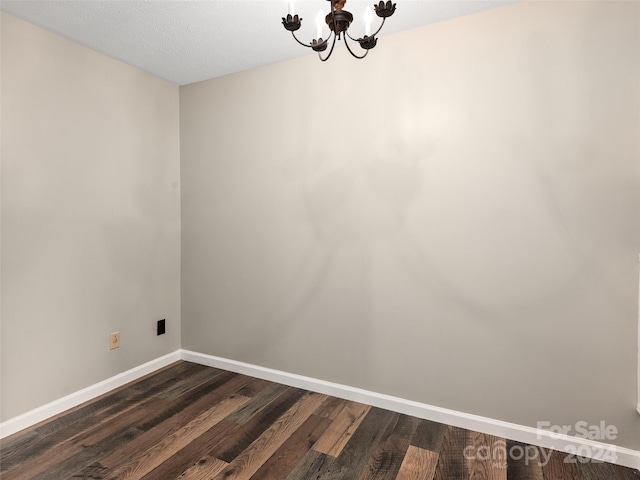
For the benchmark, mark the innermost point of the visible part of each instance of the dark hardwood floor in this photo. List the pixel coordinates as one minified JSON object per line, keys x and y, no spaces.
{"x":190,"y":422}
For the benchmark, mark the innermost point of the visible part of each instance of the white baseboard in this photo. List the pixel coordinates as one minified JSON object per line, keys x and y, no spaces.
{"x":542,"y":438}
{"x":520,"y":433}
{"x":39,"y":414}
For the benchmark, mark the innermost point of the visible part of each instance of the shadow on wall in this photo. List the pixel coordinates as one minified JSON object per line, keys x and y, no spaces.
{"x":352,"y":204}
{"x":514,"y":213}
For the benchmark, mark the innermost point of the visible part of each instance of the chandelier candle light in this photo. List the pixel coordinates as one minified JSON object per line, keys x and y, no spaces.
{"x":339,"y":21}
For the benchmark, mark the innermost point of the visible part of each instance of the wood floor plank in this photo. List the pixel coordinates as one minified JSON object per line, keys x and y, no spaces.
{"x":385,"y":461}
{"x":24,"y":453}
{"x":525,"y":467}
{"x":331,"y":407}
{"x":112,"y":421}
{"x":258,"y":452}
{"x":104,"y":427}
{"x":290,"y":453}
{"x":121,"y":397}
{"x":451,"y":461}
{"x":560,"y":467}
{"x":207,"y":468}
{"x":356,"y":453}
{"x":85,"y":418}
{"x":217,"y":388}
{"x":254,"y":387}
{"x":65,"y":450}
{"x":17,"y":442}
{"x":143,"y":463}
{"x":341,"y":429}
{"x":120,"y":422}
{"x":257,"y":403}
{"x":157,"y":380}
{"x":160,"y":424}
{"x":95,"y":471}
{"x":229,"y":448}
{"x":84,"y":458}
{"x":418,"y":464}
{"x":623,"y":473}
{"x":312,"y":466}
{"x":488,"y":457}
{"x":192,"y":453}
{"x":597,"y":470}
{"x":429,"y":435}
{"x":187,"y":385}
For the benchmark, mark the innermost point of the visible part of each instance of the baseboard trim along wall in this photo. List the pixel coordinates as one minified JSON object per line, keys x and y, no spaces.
{"x":72,"y":400}
{"x":542,"y":438}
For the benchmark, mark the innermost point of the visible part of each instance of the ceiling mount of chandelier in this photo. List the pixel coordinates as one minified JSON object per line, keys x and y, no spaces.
{"x":339,"y":21}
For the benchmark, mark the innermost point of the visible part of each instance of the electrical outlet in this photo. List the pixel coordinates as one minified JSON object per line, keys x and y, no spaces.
{"x":161,"y":327}
{"x":115,"y":340}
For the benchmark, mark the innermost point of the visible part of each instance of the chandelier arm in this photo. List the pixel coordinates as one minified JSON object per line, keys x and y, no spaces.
{"x":379,"y":28}
{"x":376,"y":32}
{"x":296,"y":38}
{"x":351,"y":51}
{"x":330,"y":51}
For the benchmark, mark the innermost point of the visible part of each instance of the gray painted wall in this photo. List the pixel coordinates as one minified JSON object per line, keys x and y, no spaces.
{"x":90,"y":216}
{"x":454,"y":220}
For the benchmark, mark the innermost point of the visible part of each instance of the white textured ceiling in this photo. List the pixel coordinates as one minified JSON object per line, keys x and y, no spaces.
{"x":188,"y":41}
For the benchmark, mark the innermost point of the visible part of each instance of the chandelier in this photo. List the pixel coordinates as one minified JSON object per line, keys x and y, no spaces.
{"x":339,"y":21}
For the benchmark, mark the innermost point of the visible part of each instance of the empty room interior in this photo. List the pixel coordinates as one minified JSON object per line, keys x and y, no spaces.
{"x":447,"y":229}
